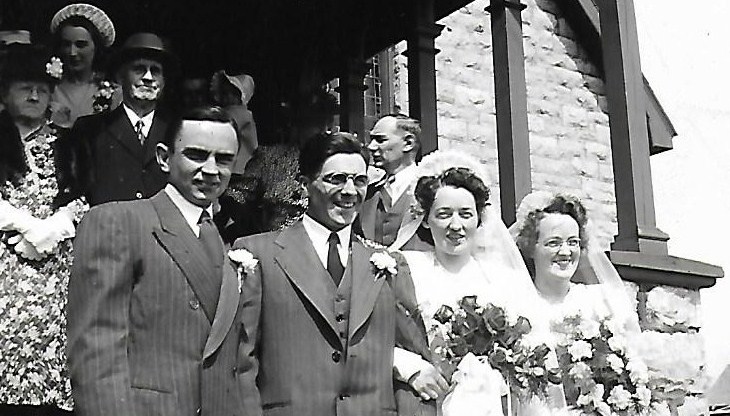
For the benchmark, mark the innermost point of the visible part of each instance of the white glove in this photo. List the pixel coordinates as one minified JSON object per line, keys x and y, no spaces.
{"x":16,"y":219}
{"x":24,"y":248}
{"x":49,"y":232}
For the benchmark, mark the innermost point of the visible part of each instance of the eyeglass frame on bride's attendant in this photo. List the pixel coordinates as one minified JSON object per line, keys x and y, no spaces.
{"x":557,"y":243}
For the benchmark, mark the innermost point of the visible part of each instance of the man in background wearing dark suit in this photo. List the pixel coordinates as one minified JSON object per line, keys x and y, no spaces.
{"x":116,"y":150}
{"x":159,"y":322}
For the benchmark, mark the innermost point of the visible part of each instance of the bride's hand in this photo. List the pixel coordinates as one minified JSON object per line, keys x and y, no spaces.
{"x":429,"y":383}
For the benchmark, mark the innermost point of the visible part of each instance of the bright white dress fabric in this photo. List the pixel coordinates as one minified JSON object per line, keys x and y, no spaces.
{"x":479,"y":388}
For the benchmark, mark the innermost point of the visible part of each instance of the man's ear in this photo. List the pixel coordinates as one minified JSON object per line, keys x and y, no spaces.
{"x":163,"y":157}
{"x":409,"y":142}
{"x":304,"y":182}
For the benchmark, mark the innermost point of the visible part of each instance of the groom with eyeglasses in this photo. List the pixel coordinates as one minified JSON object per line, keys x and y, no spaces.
{"x":327,"y":324}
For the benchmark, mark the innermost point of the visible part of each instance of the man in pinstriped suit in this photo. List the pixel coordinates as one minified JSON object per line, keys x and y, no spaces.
{"x":158,"y":323}
{"x":327,"y":326}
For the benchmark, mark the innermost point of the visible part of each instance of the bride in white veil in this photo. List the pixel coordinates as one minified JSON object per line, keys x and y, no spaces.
{"x":473,"y":255}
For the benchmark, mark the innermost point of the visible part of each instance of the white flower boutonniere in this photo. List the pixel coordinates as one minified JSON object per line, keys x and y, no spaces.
{"x":384,"y":265}
{"x":245,"y":264}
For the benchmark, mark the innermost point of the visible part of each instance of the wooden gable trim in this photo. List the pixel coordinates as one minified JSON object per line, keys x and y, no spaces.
{"x":584,"y":19}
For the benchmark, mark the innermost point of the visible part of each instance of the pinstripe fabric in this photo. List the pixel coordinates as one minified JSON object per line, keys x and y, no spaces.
{"x":137,"y":329}
{"x":299,"y":344}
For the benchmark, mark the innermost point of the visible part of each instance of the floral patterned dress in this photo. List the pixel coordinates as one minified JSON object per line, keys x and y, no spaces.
{"x":33,"y":293}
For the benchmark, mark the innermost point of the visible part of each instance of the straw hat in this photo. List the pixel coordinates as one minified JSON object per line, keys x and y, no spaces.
{"x":93,"y":14}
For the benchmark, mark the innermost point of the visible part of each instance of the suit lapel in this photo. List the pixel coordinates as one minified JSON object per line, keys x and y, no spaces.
{"x":180,"y":242}
{"x":368,"y":216}
{"x":121,"y":130}
{"x":408,"y":226}
{"x":365,"y":287}
{"x":157,"y":130}
{"x":298,"y":259}
{"x":226,"y":311}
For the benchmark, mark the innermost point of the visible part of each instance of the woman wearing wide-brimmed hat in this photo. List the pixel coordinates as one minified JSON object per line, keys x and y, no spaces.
{"x":82,"y":34}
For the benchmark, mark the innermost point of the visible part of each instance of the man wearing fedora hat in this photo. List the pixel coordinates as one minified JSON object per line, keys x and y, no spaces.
{"x":117,"y":149}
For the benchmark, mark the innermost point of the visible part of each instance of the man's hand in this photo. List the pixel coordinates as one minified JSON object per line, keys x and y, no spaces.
{"x":429,"y":383}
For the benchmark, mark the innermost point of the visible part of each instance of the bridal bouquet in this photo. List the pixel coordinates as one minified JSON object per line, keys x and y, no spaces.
{"x":600,"y":376}
{"x":487,"y":332}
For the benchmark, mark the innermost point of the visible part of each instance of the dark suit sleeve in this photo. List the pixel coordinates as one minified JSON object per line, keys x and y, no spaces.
{"x":79,"y":151}
{"x":248,"y":346}
{"x":98,"y":314}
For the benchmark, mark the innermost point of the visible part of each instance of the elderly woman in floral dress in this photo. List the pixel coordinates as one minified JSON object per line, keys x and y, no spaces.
{"x":38,"y":210}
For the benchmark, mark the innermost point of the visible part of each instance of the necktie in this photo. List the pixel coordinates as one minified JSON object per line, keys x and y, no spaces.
{"x":334,"y":265}
{"x":138,"y":129}
{"x":386,"y":192}
{"x":213,"y":246}
{"x":210,"y":238}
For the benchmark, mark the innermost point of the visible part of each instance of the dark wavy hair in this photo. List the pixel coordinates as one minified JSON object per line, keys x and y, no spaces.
{"x":200,"y":113}
{"x":464,"y":178}
{"x":319,"y":148}
{"x":529,"y":235}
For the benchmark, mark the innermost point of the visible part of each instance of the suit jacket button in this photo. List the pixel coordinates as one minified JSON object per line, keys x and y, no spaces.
{"x":194,"y":303}
{"x":336,"y":356}
{"x":235,"y":370}
{"x":138,"y":195}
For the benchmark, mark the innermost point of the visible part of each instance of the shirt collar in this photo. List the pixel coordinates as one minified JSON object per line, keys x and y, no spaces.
{"x":134,"y":118}
{"x":402,"y":180}
{"x":189,"y":211}
{"x":319,"y":234}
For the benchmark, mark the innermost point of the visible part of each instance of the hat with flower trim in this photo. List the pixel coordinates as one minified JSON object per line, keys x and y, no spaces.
{"x":31,"y":63}
{"x":93,"y":14}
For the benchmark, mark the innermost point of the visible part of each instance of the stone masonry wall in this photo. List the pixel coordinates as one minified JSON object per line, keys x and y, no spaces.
{"x":569,"y":150}
{"x":569,"y":135}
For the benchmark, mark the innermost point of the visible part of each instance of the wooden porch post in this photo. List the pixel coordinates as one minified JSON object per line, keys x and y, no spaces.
{"x":513,"y":142}
{"x":352,"y":115}
{"x":422,"y":72}
{"x":637,"y":230}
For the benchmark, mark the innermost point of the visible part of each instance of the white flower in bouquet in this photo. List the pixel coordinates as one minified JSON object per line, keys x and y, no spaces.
{"x":580,"y":349}
{"x":617,"y":344}
{"x":619,"y":397}
{"x":638,"y":371}
{"x":594,"y":397}
{"x":643,"y":396}
{"x":581,"y":371}
{"x":589,"y":328}
{"x":615,"y":362}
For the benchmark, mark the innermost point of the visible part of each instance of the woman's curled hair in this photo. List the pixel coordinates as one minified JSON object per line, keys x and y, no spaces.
{"x":560,"y":204}
{"x":427,"y":187}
